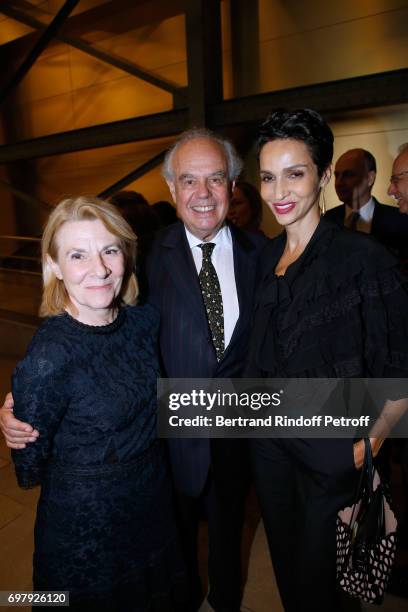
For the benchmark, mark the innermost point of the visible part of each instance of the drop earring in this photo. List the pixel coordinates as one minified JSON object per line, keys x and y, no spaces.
{"x":322,"y":202}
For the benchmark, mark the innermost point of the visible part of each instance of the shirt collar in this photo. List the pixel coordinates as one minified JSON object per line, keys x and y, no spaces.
{"x":366,"y":212}
{"x":222,"y":236}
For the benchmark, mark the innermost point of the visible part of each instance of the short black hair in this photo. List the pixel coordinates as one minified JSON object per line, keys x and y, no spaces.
{"x":303,"y":124}
{"x":166,"y":212}
{"x":121,"y":199}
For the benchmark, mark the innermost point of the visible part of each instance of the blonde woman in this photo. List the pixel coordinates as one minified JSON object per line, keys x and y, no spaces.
{"x":104,"y":528}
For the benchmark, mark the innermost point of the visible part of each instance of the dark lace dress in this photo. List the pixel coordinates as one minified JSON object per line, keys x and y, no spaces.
{"x":104,"y":529}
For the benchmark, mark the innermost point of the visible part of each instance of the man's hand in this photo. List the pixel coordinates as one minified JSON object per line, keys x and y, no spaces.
{"x":359,"y":450}
{"x":16,"y":433}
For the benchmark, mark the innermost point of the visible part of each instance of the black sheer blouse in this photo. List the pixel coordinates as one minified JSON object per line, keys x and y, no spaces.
{"x":340,"y":310}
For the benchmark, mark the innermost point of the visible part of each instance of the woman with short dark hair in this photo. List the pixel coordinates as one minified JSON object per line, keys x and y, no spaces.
{"x":331,"y":305}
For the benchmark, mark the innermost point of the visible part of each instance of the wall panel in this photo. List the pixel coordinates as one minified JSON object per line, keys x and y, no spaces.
{"x":375,"y":44}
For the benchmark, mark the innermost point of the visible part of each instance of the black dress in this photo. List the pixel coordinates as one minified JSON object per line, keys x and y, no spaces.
{"x":104,"y":529}
{"x":339,"y":311}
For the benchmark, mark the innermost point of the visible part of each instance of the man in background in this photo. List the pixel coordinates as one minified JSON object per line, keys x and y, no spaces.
{"x":398,"y":188}
{"x":355,"y":173}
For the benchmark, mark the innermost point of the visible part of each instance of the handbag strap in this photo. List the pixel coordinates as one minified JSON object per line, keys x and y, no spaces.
{"x":369,"y":466}
{"x":365,"y":482}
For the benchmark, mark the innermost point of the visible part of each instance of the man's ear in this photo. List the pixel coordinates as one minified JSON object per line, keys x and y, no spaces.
{"x":54,"y":267}
{"x":232,"y":187}
{"x":172,"y":189}
{"x":371,"y":177}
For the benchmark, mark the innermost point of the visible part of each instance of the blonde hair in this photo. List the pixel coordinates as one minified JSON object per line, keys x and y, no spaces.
{"x":55,"y":298}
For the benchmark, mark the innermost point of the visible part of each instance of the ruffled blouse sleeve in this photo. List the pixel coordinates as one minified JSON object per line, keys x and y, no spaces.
{"x":384,"y":292}
{"x":340,"y":311}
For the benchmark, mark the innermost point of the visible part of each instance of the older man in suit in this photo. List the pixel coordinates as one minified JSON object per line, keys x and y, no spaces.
{"x":200,"y":170}
{"x":200,"y":341}
{"x":355,"y":174}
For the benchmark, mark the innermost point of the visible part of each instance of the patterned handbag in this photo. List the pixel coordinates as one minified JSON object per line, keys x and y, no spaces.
{"x":366,"y":537}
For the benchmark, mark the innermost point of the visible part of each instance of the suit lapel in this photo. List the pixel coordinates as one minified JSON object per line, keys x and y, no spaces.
{"x":341,"y":214}
{"x":181,"y":268}
{"x":245,"y":272}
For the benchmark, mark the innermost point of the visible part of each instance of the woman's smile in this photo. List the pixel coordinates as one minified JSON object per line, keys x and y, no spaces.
{"x":100,"y":287}
{"x":282,"y":208}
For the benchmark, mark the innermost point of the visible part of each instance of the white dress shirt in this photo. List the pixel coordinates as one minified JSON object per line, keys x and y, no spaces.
{"x":366,"y":216}
{"x":223,"y":261}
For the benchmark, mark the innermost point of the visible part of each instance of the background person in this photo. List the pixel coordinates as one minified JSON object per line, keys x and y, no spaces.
{"x":398,"y":188}
{"x":329,"y":304}
{"x":245,"y":210}
{"x":104,"y":529}
{"x":166,"y":212}
{"x":145,"y":223}
{"x":137,"y":212}
{"x":355,"y":173}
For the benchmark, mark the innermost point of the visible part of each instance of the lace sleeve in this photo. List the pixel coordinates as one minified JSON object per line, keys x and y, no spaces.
{"x":39,"y":399}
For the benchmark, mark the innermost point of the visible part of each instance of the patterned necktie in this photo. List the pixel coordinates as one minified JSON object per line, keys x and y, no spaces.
{"x":353,"y":220}
{"x":211,"y":290}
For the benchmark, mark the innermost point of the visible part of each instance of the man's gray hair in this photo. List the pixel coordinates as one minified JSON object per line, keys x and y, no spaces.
{"x":234,"y":162}
{"x":402,"y":148}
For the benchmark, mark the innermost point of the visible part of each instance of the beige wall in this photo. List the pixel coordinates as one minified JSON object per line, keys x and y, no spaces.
{"x":316,"y":41}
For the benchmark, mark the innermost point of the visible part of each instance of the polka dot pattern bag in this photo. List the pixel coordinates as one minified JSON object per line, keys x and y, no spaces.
{"x":366,"y":537}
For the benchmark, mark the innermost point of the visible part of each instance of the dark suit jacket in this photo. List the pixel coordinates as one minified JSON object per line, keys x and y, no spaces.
{"x":186,"y":346}
{"x":388,"y":226}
